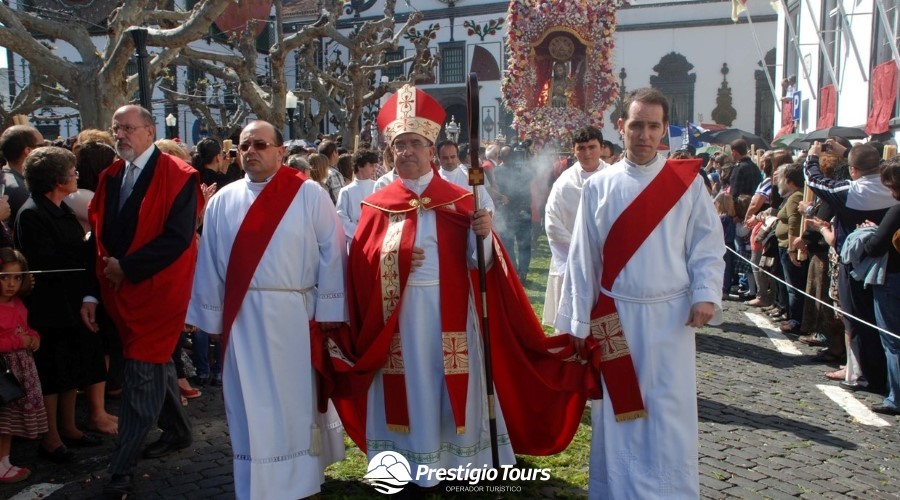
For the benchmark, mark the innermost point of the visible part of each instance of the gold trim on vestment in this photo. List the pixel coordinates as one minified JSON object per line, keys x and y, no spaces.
{"x":403,"y":429}
{"x":456,"y":353}
{"x":460,"y":430}
{"x":416,"y":125}
{"x":608,"y":332}
{"x":419,"y":203}
{"x":390,"y":265}
{"x":393,"y":365}
{"x":631,"y":415}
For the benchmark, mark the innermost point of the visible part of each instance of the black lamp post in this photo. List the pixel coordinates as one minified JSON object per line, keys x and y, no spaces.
{"x":140,"y":45}
{"x":290,"y":103}
{"x":171,"y":126}
{"x":487,"y":125}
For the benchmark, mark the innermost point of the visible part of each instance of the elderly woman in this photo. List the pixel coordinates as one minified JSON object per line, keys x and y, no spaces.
{"x":51,"y":238}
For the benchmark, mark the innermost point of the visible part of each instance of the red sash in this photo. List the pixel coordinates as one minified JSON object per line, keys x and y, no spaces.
{"x":607,"y":343}
{"x":253,"y":238}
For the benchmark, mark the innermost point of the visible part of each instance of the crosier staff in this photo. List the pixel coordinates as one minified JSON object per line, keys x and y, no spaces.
{"x":476,"y":178}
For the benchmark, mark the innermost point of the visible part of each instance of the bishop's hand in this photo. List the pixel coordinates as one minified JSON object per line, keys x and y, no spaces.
{"x":482,"y":222}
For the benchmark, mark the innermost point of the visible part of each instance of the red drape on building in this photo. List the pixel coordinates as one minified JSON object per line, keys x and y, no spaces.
{"x":787,"y":121}
{"x":827,"y":106}
{"x":884,"y":93}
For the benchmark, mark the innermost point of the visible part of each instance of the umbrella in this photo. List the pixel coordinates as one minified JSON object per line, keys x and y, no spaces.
{"x":787,"y":140}
{"x":728,"y":135}
{"x":845,"y":132}
{"x":710,"y":149}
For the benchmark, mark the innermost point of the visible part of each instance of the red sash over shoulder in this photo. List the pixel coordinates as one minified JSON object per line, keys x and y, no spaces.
{"x":252,"y":239}
{"x":607,"y":344}
{"x":149,"y":315}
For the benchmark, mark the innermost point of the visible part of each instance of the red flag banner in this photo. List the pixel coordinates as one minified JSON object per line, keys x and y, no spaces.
{"x":827,"y":106}
{"x":884,"y":93}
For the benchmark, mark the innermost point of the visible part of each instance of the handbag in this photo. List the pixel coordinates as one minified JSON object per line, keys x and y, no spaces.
{"x":10,"y":387}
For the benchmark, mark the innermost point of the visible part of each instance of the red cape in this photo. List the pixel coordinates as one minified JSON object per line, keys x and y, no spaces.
{"x":542,"y":394}
{"x":149,"y":315}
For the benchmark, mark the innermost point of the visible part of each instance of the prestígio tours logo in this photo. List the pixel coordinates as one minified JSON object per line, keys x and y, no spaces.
{"x":388,"y":472}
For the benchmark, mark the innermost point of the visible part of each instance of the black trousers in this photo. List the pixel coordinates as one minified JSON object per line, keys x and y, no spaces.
{"x":859,"y":301}
{"x":149,"y":396}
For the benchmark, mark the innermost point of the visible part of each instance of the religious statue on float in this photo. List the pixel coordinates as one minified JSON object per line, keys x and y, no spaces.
{"x":564,"y":81}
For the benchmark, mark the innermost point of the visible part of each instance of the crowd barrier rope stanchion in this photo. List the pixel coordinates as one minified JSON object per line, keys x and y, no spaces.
{"x":830,"y":306}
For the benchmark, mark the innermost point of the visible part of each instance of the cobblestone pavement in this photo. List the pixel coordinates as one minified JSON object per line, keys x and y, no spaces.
{"x":766,"y":431}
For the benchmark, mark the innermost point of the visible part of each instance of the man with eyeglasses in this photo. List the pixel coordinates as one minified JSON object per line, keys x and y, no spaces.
{"x":412,"y":303}
{"x":15,"y":144}
{"x":144,"y":216}
{"x":271,"y":260}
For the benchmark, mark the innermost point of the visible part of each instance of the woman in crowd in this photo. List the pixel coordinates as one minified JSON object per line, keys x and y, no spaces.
{"x":818,"y":319}
{"x":91,"y":159}
{"x":50,"y":237}
{"x":209,"y":159}
{"x":173,"y":148}
{"x":318,"y":168}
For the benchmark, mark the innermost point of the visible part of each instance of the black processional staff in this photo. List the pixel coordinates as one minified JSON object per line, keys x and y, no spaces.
{"x":476,"y":179}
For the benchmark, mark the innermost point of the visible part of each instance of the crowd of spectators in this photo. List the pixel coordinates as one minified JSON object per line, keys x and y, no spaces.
{"x":817,"y":232}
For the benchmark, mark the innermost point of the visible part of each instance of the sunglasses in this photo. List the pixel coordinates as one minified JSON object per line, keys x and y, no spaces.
{"x":257,"y":145}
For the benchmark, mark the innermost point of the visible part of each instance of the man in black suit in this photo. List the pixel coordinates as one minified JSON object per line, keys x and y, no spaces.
{"x":143,"y":219}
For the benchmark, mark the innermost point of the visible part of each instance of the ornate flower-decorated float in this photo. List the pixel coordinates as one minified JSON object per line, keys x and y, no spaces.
{"x":559,"y":76}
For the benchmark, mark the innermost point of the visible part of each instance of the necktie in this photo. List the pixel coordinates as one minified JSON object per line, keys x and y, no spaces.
{"x":127,"y":184}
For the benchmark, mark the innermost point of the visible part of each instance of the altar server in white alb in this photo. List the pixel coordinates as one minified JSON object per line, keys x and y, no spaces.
{"x":562,"y":205}
{"x":272,"y":258}
{"x":349,"y":200}
{"x":645,"y":268}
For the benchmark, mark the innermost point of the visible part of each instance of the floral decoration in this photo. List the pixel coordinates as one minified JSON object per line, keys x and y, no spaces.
{"x":489,"y":28}
{"x":429,"y":33}
{"x":529,"y":23}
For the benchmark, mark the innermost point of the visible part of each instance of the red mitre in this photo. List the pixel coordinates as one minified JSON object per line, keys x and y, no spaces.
{"x":411,"y":110}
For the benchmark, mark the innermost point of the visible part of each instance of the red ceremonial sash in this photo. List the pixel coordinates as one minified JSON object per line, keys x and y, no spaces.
{"x":252,"y":239}
{"x":609,"y":349}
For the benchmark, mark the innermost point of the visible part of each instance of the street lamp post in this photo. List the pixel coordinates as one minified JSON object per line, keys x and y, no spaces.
{"x":171,"y":126}
{"x":290,"y":103}
{"x":140,"y":44}
{"x":487,"y":124}
{"x":452,"y":129}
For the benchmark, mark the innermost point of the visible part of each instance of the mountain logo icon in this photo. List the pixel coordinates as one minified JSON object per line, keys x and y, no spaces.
{"x":388,"y":472}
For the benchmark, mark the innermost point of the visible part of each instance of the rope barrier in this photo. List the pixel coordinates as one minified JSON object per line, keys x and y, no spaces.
{"x":44,"y":271}
{"x":830,"y":306}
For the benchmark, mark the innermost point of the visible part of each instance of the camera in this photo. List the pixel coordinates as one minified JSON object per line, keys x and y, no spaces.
{"x":232,"y":153}
{"x":826,"y":147}
{"x":811,"y":210}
